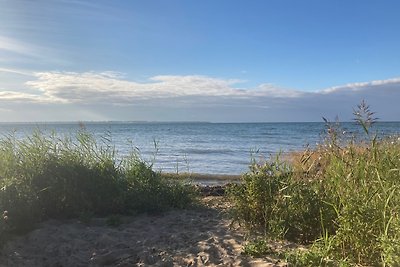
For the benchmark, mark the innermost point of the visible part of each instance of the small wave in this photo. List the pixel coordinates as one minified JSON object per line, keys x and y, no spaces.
{"x":191,"y":151}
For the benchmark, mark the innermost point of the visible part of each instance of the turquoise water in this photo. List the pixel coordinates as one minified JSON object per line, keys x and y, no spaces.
{"x":217,"y":148}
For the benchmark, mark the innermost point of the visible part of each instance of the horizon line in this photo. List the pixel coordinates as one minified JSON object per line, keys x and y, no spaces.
{"x":162,"y":122}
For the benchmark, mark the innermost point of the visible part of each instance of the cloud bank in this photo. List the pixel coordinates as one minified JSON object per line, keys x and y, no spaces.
{"x":109,"y":87}
{"x":194,"y":97}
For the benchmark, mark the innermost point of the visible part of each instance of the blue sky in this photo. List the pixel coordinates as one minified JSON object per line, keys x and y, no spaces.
{"x":197,"y":60}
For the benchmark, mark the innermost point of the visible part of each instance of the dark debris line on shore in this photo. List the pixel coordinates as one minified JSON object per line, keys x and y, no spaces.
{"x":211,"y":190}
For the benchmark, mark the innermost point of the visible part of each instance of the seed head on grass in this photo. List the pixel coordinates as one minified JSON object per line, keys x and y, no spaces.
{"x":364,"y":116}
{"x":342,"y":197}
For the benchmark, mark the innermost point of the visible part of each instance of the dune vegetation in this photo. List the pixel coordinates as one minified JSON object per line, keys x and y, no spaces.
{"x":45,"y":176}
{"x":341,"y":199}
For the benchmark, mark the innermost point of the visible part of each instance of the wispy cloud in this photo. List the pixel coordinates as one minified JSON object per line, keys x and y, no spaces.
{"x":12,"y":45}
{"x":17,"y":71}
{"x":16,"y":51}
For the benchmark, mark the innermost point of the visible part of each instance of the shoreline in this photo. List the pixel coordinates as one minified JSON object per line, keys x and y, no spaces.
{"x":204,"y":179}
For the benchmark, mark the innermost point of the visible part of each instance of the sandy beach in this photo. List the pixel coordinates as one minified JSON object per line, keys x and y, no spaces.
{"x":202,"y":236}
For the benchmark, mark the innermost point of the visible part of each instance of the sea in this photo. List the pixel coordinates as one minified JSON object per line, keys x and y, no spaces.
{"x":201,"y":147}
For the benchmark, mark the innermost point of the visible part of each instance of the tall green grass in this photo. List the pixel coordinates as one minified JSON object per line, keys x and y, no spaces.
{"x":45,"y":176}
{"x":341,"y":199}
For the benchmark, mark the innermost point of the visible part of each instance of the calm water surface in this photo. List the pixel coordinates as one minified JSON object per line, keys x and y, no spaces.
{"x":216,"y":148}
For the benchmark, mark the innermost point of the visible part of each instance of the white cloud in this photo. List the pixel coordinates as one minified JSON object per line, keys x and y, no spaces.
{"x":198,"y":98}
{"x":109,"y":87}
{"x":19,"y":97}
{"x":360,"y":86}
{"x":195,"y":85}
{"x":269,"y":90}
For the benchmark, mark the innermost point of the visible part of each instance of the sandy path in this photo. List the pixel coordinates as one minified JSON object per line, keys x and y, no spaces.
{"x":197,"y":237}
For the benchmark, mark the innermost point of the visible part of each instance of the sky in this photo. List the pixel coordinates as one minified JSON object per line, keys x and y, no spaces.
{"x":208,"y":60}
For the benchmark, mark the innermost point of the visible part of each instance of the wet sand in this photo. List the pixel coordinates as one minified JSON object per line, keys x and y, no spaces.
{"x":204,"y":178}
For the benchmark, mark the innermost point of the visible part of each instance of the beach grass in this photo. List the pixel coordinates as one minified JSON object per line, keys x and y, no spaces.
{"x":45,"y":176}
{"x":340,"y":199}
